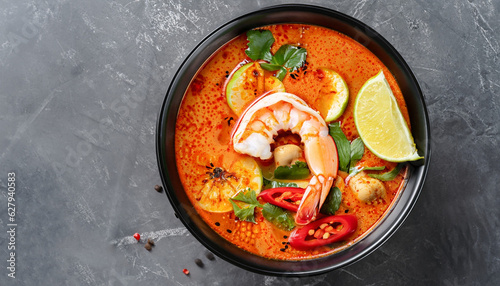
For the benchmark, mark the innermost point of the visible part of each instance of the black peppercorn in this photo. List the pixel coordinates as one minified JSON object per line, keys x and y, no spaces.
{"x":198,"y":262}
{"x":210,"y":256}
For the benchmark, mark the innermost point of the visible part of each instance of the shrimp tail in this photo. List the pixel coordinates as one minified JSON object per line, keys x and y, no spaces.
{"x":321,"y":156}
{"x":314,"y":197}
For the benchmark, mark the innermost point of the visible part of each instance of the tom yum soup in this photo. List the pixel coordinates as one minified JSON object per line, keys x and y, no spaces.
{"x":291,"y":141}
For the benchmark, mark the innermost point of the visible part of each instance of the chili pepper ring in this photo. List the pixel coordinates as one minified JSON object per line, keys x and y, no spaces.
{"x":312,"y":235}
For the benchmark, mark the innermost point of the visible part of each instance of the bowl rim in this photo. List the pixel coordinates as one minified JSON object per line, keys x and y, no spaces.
{"x":418,"y":169}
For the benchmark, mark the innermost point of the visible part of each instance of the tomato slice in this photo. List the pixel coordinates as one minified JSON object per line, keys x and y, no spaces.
{"x":284,"y":197}
{"x":324,"y":231}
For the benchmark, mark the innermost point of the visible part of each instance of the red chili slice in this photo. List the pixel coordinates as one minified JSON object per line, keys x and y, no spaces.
{"x":284,"y":197}
{"x":312,"y":235}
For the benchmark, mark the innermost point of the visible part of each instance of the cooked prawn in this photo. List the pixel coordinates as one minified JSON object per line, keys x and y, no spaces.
{"x":254,"y":133}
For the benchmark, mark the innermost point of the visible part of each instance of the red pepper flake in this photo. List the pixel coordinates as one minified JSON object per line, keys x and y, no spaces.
{"x":137,"y":236}
{"x":185,"y":271}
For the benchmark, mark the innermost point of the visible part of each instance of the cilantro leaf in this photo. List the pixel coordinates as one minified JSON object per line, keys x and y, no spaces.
{"x":297,"y":171}
{"x":353,"y":171}
{"x":273,"y":67}
{"x":248,"y":196}
{"x":269,"y":184}
{"x":332,"y":202}
{"x":289,"y":56}
{"x":259,"y":45}
{"x":247,"y":212}
{"x":343,"y":145}
{"x":388,"y":176}
{"x":244,"y":214}
{"x":283,"y":219}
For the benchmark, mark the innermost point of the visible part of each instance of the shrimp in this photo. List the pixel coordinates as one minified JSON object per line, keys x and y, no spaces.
{"x":254,"y":133}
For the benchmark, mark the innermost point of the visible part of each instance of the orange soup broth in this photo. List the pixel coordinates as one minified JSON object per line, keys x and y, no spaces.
{"x":205,"y":122}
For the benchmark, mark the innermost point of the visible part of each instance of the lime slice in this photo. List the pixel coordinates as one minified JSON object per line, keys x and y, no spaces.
{"x":380,"y":123}
{"x":243,"y":85}
{"x":221,"y":184}
{"x":273,"y":84}
{"x":333,"y":95}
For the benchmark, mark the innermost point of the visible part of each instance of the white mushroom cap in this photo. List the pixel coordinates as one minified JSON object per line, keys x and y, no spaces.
{"x":285,"y":155}
{"x":367,"y":189}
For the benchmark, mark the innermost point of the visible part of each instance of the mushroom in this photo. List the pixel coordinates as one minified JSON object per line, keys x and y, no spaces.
{"x":285,"y":155}
{"x":367,"y":189}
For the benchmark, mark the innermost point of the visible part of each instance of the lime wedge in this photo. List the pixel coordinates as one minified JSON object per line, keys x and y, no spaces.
{"x":221,"y":184}
{"x":380,"y":123}
{"x":333,"y":95}
{"x":243,"y":85}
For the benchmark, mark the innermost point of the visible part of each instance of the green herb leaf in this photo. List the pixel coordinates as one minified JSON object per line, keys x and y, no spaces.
{"x":357,"y":150}
{"x":388,"y":176}
{"x":343,"y":145}
{"x":332,"y":202}
{"x":281,"y":218}
{"x":247,"y":212}
{"x":259,"y":45}
{"x":269,"y":184}
{"x":297,"y":171}
{"x":244,"y":214}
{"x":248,"y":196}
{"x":289,"y":56}
{"x":272,"y":67}
{"x":353,"y":171}
{"x":281,"y":74}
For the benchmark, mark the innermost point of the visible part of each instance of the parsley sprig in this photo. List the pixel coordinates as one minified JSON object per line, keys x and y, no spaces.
{"x":248,"y":201}
{"x":245,"y":202}
{"x":287,"y":58}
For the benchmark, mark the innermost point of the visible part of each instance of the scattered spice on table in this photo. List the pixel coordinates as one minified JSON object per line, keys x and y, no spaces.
{"x":137,"y":236}
{"x":210,"y":256}
{"x":185,"y":271}
{"x":158,"y":188}
{"x":198,"y":262}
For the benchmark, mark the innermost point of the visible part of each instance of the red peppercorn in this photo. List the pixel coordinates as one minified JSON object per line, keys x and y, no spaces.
{"x":137,"y":236}
{"x":185,"y":271}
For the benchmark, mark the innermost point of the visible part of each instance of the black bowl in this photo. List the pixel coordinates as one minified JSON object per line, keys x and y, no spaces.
{"x":307,"y":15}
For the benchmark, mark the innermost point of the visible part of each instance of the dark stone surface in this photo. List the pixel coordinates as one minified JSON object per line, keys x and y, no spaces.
{"x":81,"y":83}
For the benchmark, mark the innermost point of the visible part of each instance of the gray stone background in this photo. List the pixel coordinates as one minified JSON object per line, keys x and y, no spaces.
{"x":81,"y":83}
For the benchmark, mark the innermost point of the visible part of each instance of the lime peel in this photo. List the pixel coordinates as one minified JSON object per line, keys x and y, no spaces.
{"x":334,"y":95}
